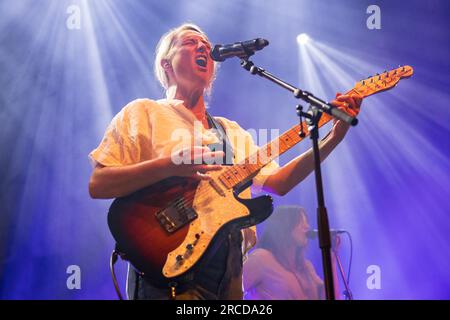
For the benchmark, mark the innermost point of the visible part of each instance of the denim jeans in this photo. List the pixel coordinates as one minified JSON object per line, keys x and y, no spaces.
{"x":219,"y":278}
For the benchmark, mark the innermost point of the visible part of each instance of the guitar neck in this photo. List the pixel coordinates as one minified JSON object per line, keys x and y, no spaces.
{"x":242,"y":172}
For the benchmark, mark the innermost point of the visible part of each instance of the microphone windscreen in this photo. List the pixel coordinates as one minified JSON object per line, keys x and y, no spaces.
{"x":261,"y":43}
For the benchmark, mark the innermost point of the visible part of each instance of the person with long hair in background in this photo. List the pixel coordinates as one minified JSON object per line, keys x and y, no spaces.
{"x":278,"y":268}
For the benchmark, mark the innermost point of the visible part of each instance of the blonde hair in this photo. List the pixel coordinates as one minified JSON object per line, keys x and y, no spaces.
{"x":163,"y":51}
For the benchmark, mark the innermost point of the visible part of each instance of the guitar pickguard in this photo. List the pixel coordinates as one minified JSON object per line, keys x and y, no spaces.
{"x":215,"y":208}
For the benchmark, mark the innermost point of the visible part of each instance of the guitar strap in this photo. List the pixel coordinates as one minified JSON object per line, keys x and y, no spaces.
{"x":225,"y":144}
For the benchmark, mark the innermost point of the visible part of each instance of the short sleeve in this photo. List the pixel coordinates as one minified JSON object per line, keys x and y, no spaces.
{"x":127,"y":139}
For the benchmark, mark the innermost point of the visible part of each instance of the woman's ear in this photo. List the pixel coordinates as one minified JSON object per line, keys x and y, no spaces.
{"x":165,"y":63}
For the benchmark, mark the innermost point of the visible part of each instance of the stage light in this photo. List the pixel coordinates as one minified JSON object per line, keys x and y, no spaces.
{"x":302,"y":39}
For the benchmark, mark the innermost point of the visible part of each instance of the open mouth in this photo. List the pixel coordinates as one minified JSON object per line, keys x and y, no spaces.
{"x":201,"y":61}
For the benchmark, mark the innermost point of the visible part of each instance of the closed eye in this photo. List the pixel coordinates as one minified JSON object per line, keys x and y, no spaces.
{"x":194,"y":42}
{"x":207,"y":45}
{"x":189,"y":41}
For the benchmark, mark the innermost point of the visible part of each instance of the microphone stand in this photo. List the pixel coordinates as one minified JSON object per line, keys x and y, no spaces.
{"x":316,"y":107}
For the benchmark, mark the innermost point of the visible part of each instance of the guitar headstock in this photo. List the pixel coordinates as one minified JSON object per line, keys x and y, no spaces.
{"x":382,"y":82}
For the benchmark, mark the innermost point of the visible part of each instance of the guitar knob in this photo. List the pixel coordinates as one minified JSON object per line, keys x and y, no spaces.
{"x":179,"y":258}
{"x":189,"y":247}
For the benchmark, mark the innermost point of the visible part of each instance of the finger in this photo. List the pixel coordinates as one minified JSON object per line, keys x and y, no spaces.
{"x":338,"y":94}
{"x":193,"y":152}
{"x":354,"y":100}
{"x":348,"y":102}
{"x":203,"y":168}
{"x":357,"y":97}
{"x":201,"y":176}
{"x":351,"y":103}
{"x":358,"y":101}
{"x":209,"y":157}
{"x":197,"y":151}
{"x":214,"y":154}
{"x":351,"y":112}
{"x":200,"y":148}
{"x":345,"y":108}
{"x":338,"y":104}
{"x":343,"y":98}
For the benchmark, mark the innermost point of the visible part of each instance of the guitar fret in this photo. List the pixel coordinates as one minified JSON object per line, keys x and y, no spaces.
{"x":293,"y":135}
{"x":247,"y":168}
{"x":267,"y":152}
{"x":282,"y":142}
{"x":253,"y":168}
{"x":237,"y":172}
{"x":234,"y":177}
{"x":227,"y":180}
{"x":290,"y":140}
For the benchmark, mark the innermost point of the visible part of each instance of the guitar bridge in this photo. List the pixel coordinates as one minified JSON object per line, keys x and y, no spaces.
{"x":175,"y":216}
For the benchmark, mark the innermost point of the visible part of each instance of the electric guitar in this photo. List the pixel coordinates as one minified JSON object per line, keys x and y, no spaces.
{"x":165,"y":229}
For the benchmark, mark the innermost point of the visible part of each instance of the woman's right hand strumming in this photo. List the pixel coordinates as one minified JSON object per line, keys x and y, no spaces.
{"x":195,"y":162}
{"x":112,"y":182}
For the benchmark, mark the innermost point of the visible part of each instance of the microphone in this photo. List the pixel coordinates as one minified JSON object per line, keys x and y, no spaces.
{"x":313,"y":234}
{"x":242,"y":49}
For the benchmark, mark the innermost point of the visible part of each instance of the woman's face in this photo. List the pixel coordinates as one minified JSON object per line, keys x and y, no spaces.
{"x":300,"y":231}
{"x":191,"y":64}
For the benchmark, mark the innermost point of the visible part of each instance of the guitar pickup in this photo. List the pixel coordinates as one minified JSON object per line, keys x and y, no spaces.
{"x":175,"y":216}
{"x":217,"y":188}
